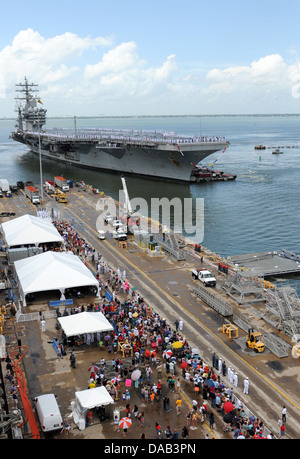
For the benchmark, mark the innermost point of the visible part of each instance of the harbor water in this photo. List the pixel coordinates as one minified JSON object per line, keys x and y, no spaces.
{"x":258,"y":212}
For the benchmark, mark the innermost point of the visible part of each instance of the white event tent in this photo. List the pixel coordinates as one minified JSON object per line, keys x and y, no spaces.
{"x":84,"y":322}
{"x":52,"y":271}
{"x":29,"y":230}
{"x":87,"y":400}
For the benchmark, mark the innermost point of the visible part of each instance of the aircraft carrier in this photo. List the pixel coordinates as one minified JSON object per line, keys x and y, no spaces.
{"x":158,"y":155}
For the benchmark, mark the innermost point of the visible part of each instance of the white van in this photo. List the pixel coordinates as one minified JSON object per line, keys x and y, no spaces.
{"x":101,"y":234}
{"x":48,"y":412}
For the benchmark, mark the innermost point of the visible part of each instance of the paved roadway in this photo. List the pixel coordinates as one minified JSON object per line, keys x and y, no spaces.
{"x":165,"y":284}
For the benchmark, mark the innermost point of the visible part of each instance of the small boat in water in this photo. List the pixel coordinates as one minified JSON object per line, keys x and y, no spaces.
{"x":209,"y":175}
{"x":277,"y":152}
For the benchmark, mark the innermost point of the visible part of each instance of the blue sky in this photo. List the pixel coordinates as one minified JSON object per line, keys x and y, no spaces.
{"x":158,"y":57}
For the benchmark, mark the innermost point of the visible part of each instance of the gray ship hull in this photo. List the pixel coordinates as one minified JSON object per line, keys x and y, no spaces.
{"x":150,"y":159}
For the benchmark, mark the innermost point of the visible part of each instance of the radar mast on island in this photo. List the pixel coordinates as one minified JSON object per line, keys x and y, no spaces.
{"x":29,"y":112}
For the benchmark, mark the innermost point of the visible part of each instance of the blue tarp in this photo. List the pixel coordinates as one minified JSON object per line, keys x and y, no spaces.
{"x":61,"y":303}
{"x":108,"y":295}
{"x":55,"y":345}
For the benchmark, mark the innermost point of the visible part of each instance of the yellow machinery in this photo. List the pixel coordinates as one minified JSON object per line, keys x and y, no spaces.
{"x":231,"y":329}
{"x":2,"y":323}
{"x":61,"y":197}
{"x":296,"y":351}
{"x":255,"y":341}
{"x":2,"y":318}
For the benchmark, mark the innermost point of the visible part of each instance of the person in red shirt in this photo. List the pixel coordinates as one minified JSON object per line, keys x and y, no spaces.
{"x":158,"y":429}
{"x":159,"y":387}
{"x":147,"y":355}
{"x":128,"y":410}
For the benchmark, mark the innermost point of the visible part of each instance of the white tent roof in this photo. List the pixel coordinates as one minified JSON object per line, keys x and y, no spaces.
{"x":87,"y":400}
{"x":84,"y":322}
{"x":52,"y":271}
{"x":90,"y":398}
{"x":28,"y":229}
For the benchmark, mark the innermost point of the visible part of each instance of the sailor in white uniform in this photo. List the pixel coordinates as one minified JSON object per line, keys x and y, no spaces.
{"x":229,"y":373}
{"x":232,"y":376}
{"x":235,"y":380}
{"x":246,"y":386}
{"x":220,"y":365}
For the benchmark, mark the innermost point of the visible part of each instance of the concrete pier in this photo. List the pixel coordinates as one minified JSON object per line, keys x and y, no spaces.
{"x":166,"y":283}
{"x":268,"y":264}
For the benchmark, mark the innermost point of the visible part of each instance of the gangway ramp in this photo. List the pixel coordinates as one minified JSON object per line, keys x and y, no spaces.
{"x":171,"y":243}
{"x":274,"y":343}
{"x":215,"y":302}
{"x":243,"y":288}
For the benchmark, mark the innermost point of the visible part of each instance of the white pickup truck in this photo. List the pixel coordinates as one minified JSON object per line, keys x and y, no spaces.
{"x":205,"y":276}
{"x":120,"y":235}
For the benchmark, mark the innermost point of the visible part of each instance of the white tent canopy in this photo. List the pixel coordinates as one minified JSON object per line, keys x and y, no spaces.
{"x":84,"y":322}
{"x":52,"y":271}
{"x":87,"y":400}
{"x":28,"y":230}
{"x":90,"y":398}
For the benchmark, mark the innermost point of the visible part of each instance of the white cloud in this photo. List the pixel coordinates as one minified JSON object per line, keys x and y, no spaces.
{"x":86,"y":75}
{"x":121,"y":72}
{"x":114,"y":61}
{"x":268,"y":84}
{"x":60,"y":66}
{"x":267,"y":72}
{"x":44,"y":59}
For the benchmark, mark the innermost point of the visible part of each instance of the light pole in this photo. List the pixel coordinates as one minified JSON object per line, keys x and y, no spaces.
{"x":75,"y":125}
{"x":40,"y":155}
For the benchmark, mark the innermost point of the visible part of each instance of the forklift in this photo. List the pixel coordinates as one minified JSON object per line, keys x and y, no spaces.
{"x":255,"y":341}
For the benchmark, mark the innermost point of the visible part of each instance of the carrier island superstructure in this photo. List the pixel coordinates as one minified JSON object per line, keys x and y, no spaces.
{"x":159,"y":155}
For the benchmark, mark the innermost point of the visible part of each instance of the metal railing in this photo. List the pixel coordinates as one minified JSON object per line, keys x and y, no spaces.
{"x":265,"y":430}
{"x":223,"y":308}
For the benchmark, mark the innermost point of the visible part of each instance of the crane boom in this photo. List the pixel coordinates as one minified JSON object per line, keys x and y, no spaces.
{"x":127,"y":200}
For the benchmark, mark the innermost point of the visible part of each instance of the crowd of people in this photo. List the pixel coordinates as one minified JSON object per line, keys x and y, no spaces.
{"x":111,"y":136}
{"x":155,"y":351}
{"x":157,"y":346}
{"x":73,"y":241}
